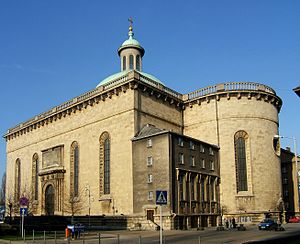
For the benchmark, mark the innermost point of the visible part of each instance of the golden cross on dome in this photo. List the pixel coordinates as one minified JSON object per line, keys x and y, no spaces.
{"x":131,"y":21}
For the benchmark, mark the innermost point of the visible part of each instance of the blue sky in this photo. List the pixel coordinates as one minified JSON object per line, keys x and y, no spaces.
{"x":52,"y":51}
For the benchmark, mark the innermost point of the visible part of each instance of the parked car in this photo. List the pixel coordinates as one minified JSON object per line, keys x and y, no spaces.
{"x":294,"y":220}
{"x":268,"y":224}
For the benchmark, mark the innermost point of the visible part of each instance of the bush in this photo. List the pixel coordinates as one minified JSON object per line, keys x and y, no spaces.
{"x":6,"y":229}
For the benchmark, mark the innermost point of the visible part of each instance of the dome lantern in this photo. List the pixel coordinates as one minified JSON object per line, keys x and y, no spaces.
{"x":131,"y":52}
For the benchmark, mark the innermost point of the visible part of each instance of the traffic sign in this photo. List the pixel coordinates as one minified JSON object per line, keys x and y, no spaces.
{"x":23,"y":201}
{"x":23,"y":211}
{"x":161,"y":197}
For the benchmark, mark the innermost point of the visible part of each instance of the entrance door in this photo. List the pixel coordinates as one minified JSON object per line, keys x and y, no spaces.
{"x":49,"y":200}
{"x":150,"y":215}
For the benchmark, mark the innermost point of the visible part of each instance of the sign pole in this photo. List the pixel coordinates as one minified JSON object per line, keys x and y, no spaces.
{"x":161,"y":226}
{"x":23,"y":223}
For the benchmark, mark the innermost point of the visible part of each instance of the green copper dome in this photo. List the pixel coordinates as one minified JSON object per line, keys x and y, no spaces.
{"x":130,"y":61}
{"x":131,"y":43}
{"x":116,"y":76}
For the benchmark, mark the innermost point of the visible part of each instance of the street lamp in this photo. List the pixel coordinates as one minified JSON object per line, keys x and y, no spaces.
{"x":88,"y":190}
{"x":10,"y":208}
{"x":296,"y":164}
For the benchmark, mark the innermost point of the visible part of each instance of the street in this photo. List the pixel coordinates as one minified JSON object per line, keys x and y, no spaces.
{"x":207,"y":236}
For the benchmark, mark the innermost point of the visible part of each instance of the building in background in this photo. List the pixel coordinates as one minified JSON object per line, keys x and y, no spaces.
{"x":297,"y":90}
{"x":96,"y":142}
{"x":288,"y":179}
{"x":187,"y":168}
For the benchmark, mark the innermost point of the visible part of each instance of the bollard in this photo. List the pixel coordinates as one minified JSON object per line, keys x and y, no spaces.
{"x":118,"y":238}
{"x":83,"y":239}
{"x":67,"y":232}
{"x":199,"y":239}
{"x":140,"y":239}
{"x":55,"y":237}
{"x":99,"y":238}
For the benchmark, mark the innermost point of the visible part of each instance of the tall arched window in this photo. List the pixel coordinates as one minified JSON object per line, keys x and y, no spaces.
{"x":17,"y":180}
{"x":124,"y":63}
{"x":131,"y":62}
{"x":137,"y":61}
{"x":104,"y":164}
{"x":35,"y":176}
{"x":240,"y":160}
{"x":74,"y":169}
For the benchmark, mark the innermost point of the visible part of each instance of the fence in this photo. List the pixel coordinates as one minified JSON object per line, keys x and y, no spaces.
{"x":59,"y":237}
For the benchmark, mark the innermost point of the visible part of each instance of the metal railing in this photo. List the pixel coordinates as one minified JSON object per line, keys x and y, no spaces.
{"x":230,"y":86}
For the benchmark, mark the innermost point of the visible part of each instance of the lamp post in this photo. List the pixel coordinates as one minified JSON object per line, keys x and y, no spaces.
{"x":88,"y":191}
{"x":10,"y":208}
{"x":296,"y":165}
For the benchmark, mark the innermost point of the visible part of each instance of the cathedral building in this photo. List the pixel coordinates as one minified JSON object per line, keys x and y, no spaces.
{"x":211,"y":150}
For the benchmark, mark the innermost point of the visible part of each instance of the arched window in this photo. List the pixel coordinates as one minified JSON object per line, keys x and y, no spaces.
{"x":17,"y":180}
{"x":104,"y":164}
{"x":74,"y":169}
{"x":240,"y":160}
{"x":137,"y":61}
{"x":124,"y":63}
{"x":131,"y":62}
{"x":35,"y":176}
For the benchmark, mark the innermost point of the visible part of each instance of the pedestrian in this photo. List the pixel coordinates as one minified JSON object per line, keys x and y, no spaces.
{"x":226,"y":223}
{"x":233,"y":223}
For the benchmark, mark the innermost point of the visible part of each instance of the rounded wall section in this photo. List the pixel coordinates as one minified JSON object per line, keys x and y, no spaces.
{"x":217,"y":119}
{"x":126,"y":53}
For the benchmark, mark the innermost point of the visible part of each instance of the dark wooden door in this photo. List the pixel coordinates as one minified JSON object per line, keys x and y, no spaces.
{"x":49,"y":200}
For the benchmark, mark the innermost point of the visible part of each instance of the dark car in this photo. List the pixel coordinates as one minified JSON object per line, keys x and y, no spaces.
{"x":268,"y":224}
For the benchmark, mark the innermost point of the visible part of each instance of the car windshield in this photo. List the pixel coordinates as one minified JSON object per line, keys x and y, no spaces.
{"x":267,"y":221}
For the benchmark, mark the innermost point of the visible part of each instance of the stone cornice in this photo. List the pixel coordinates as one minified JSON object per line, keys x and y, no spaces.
{"x":132,"y":80}
{"x":235,"y":90}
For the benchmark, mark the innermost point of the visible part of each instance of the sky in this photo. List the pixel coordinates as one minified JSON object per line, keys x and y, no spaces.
{"x":54,"y":50}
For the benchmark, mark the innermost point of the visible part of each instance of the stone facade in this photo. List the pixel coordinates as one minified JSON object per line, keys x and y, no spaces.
{"x":120,"y":108}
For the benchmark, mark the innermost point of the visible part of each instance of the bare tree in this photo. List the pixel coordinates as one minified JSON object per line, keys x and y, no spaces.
{"x":74,"y":205}
{"x":3,"y":189}
{"x":13,"y":204}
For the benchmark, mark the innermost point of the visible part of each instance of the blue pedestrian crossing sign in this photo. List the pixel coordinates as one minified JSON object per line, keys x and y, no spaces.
{"x":161,"y":197}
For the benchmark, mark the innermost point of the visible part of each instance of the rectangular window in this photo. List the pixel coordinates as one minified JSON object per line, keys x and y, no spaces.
{"x":149,"y":161}
{"x":192,"y":189}
{"x":202,"y":190}
{"x":285,"y":180}
{"x":150,"y":178}
{"x":180,"y":187}
{"x":192,"y":161}
{"x":181,"y":158}
{"x":284,"y":170}
{"x":180,"y":142}
{"x":212,"y":165}
{"x":202,"y":150}
{"x":150,"y":195}
{"x":203,"y":163}
{"x":149,"y":143}
{"x":211,"y":152}
{"x":192,"y":145}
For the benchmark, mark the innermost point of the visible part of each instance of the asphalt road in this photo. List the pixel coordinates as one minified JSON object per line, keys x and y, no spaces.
{"x":207,"y":236}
